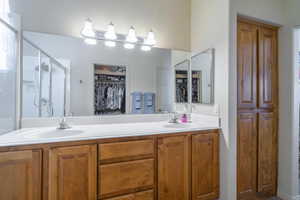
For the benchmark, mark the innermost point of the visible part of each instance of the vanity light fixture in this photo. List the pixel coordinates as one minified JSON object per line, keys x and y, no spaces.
{"x":110,"y":35}
{"x":111,"y":38}
{"x":89,"y":33}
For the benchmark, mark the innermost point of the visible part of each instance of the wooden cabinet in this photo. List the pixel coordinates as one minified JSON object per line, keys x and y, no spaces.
{"x":267,"y":153}
{"x":146,"y":195}
{"x":20,"y":175}
{"x":247,"y":65}
{"x":125,"y":177}
{"x":73,"y":173}
{"x":257,"y":109}
{"x":179,"y":166}
{"x":173,"y":168}
{"x":205,"y":166}
{"x":247,"y":154}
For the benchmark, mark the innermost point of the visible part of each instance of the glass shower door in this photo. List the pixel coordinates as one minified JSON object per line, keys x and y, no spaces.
{"x":8,"y":76}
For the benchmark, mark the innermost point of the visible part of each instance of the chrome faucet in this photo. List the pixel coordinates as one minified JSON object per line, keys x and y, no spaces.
{"x":63,"y":124}
{"x":174,"y":118}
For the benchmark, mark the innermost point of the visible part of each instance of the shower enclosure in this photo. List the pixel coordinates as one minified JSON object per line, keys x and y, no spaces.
{"x":9,"y":66}
{"x":44,"y":83}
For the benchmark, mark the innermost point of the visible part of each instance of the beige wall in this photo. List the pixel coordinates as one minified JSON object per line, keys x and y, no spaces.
{"x":170,"y":19}
{"x":210,"y":29}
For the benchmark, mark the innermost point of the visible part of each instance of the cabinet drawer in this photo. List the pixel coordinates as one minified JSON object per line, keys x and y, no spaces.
{"x":125,"y":177}
{"x":147,"y":195}
{"x":119,"y":151}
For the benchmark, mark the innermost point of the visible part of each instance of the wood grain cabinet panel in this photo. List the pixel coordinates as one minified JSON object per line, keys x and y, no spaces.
{"x":20,"y":175}
{"x":267,"y":68}
{"x":267,"y":153}
{"x":247,"y":154}
{"x":118,"y":151}
{"x":173,"y":168}
{"x":125,"y":177}
{"x":205,"y":166}
{"x":73,"y":173}
{"x":147,"y":195}
{"x":247,"y":65}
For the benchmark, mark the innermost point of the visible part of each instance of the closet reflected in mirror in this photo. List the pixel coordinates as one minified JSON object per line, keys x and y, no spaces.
{"x":62,"y":75}
{"x":202,"y":70}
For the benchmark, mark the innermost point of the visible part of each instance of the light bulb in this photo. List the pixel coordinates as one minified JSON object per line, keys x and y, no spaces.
{"x":110,"y":33}
{"x":145,"y":48}
{"x":128,"y":46}
{"x":150,"y":40}
{"x":131,"y":37}
{"x":110,"y":43}
{"x":90,"y":41}
{"x":88,"y":29}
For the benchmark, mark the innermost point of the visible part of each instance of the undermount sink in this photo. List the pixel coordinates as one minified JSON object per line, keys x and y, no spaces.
{"x":54,"y":134}
{"x":177,"y":125}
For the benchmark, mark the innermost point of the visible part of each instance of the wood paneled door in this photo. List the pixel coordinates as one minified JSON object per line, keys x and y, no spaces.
{"x":73,"y":173}
{"x":247,"y":65}
{"x":20,"y":175}
{"x":267,"y":70}
{"x":205,"y":166}
{"x":173,"y":168}
{"x":257,"y":109}
{"x":267,"y":153}
{"x":247,"y":154}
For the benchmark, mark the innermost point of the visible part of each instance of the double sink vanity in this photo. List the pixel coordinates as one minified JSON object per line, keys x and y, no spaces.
{"x":125,"y":161}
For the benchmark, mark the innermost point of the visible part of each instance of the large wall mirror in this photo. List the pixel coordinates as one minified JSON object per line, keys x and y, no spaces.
{"x":64,"y":76}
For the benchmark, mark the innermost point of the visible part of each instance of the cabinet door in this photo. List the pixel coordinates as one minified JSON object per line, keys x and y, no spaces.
{"x":247,"y":65}
{"x":173,"y":168}
{"x":205,"y":166}
{"x":267,"y":153}
{"x":267,"y":68}
{"x":73,"y":173}
{"x":247,"y":154}
{"x":20,"y":175}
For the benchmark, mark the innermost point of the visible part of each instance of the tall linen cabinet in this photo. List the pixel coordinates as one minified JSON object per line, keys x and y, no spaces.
{"x":257,"y":85}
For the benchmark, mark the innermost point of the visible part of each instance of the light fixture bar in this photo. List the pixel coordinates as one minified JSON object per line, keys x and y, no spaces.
{"x":110,"y":38}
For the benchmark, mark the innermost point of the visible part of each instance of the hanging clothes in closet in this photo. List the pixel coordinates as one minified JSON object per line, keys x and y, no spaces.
{"x":110,"y":93}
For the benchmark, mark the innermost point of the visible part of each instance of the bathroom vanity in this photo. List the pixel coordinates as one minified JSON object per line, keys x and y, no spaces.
{"x":178,"y":163}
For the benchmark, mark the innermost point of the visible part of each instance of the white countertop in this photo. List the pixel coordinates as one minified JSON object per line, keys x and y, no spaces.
{"x":88,"y":132}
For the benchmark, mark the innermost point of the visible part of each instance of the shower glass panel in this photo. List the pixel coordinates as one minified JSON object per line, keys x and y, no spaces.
{"x":30,"y":81}
{"x":58,"y":88}
{"x":43,"y":83}
{"x":8,"y":67}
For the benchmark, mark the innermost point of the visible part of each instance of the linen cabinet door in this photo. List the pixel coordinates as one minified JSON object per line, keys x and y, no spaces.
{"x":20,"y":175}
{"x":247,"y":155}
{"x":173,"y":168}
{"x":73,"y":173}
{"x":267,"y":153}
{"x":247,"y":65}
{"x":205,"y":166}
{"x":267,"y":68}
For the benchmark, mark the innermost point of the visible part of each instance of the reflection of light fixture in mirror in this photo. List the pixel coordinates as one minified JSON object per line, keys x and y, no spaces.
{"x":88,"y":32}
{"x":128,"y":46}
{"x":150,"y":40}
{"x":90,"y":41}
{"x":131,"y":37}
{"x":145,"y":48}
{"x":110,"y":33}
{"x":110,"y":43}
